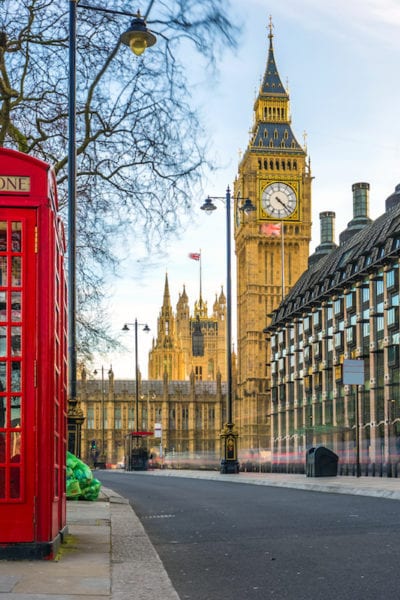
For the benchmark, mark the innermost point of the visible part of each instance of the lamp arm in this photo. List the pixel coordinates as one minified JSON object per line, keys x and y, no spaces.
{"x":107,"y":10}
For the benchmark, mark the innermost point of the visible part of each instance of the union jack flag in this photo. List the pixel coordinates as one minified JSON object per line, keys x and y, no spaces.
{"x":271,"y":229}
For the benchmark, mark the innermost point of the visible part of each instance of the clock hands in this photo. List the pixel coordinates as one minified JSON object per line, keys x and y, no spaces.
{"x":281,"y":202}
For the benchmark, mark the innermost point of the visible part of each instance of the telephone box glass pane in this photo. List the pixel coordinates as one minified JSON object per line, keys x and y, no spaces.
{"x":16,"y":271}
{"x":3,"y":236}
{"x":15,"y":377}
{"x":3,"y":415}
{"x":16,"y":237}
{"x":15,"y":410}
{"x":15,"y":482}
{"x":15,"y":341}
{"x":2,"y":477}
{"x":3,"y":340}
{"x":3,"y":376}
{"x":3,"y":270}
{"x":15,"y":307}
{"x":3,"y":306}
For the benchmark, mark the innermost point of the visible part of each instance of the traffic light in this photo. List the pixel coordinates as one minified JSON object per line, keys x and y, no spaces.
{"x":93,"y":445}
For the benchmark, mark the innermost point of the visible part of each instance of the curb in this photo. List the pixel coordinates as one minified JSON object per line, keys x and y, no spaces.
{"x":135,"y":565}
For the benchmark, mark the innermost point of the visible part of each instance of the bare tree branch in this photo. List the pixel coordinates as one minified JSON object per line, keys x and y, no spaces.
{"x":139,"y":143}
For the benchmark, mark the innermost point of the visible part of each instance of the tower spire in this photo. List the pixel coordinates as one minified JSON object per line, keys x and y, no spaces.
{"x":271,"y":33}
{"x":271,"y":84}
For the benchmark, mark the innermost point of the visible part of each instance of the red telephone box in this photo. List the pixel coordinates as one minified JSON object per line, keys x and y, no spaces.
{"x":33,"y":341}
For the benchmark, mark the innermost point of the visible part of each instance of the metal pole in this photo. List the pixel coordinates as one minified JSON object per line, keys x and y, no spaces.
{"x":102,"y":413}
{"x":72,"y":203}
{"x":228,"y":306}
{"x":357,"y":419}
{"x":137,"y":377}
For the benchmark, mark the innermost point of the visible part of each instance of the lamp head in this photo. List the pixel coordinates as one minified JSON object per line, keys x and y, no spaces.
{"x":138,"y":37}
{"x":248,"y":207}
{"x":146,"y":328}
{"x":125,"y":327}
{"x":208,"y":206}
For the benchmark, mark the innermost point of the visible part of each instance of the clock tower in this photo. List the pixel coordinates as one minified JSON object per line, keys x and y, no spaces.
{"x":272,"y":246}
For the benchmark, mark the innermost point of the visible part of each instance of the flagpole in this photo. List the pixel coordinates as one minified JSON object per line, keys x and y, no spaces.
{"x":282,"y":261}
{"x":200,"y":275}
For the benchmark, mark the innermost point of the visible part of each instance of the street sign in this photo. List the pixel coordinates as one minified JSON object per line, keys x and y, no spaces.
{"x":157,"y":430}
{"x":353,"y":372}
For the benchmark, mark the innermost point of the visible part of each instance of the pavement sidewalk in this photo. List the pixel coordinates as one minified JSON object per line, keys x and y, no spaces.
{"x":108,"y":556}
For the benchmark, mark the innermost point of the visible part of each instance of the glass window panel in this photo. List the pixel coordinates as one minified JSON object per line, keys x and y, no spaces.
{"x":16,"y":271}
{"x":3,"y":412}
{"x":2,"y":447}
{"x":15,"y":376}
{"x":3,"y":340}
{"x":15,"y":341}
{"x":15,"y":482}
{"x":15,"y":306}
{"x":15,"y":446}
{"x":3,"y":306}
{"x":16,"y":237}
{"x":3,"y":376}
{"x":3,"y":270}
{"x":15,"y":411}
{"x":3,"y":236}
{"x":2,"y":481}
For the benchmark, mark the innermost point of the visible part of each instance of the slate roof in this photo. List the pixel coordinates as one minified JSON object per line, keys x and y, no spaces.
{"x":276,"y":133}
{"x":370,"y":248}
{"x":272,"y":84}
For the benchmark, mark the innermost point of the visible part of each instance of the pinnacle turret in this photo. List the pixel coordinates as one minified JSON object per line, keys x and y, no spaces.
{"x":167,"y":297}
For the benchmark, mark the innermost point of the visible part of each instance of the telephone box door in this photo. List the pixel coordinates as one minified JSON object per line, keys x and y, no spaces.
{"x":18,"y":409}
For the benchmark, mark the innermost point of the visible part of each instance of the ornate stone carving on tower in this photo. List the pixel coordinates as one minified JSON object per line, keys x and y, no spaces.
{"x":272,"y":248}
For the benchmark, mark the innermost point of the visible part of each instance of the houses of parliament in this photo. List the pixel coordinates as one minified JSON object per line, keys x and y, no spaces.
{"x":299,"y":318}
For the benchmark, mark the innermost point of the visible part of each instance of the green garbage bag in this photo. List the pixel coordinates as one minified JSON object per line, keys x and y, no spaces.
{"x":81,"y":485}
{"x":91,"y":492}
{"x":73,"y":489}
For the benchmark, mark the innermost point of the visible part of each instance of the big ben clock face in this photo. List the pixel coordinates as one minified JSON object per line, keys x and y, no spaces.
{"x":279,"y":200}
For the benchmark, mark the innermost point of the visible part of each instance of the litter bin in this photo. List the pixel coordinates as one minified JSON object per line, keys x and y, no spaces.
{"x":321,"y":462}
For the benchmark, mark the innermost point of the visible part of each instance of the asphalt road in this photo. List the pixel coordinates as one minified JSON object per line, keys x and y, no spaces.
{"x":224,"y":541}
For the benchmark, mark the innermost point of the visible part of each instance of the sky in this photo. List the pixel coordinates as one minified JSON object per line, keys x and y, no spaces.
{"x":340,"y":60}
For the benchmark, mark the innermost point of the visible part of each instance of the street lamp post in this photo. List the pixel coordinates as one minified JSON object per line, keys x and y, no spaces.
{"x":229,"y":435}
{"x":138,"y":38}
{"x":146,"y":328}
